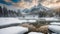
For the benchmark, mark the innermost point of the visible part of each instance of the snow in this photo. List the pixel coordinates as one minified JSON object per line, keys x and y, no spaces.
{"x":54,"y":28}
{"x":20,"y":29}
{"x":13,"y":30}
{"x":38,"y":33}
{"x":55,"y":23}
{"x":35,"y":33}
{"x":5,"y":21}
{"x":50,"y":19}
{"x":54,"y":33}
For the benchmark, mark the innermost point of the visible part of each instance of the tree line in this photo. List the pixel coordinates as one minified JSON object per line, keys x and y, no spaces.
{"x":9,"y":13}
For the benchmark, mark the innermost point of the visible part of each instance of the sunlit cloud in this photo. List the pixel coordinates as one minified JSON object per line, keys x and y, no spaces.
{"x":24,"y":4}
{"x":51,"y":3}
{"x":31,"y":3}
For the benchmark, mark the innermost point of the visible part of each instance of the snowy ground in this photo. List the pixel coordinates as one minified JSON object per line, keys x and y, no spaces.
{"x":38,"y":33}
{"x":19,"y":29}
{"x":35,"y":33}
{"x":10,"y":20}
{"x":54,"y":28}
{"x":5,"y":21}
{"x":13,"y":30}
{"x":55,"y":23}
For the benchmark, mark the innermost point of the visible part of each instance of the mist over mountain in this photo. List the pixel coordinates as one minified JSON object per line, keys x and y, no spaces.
{"x":33,"y":6}
{"x":28,"y":4}
{"x":37,"y":8}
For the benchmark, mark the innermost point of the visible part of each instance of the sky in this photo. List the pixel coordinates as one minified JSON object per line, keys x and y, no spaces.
{"x":8,"y":2}
{"x":32,"y":3}
{"x":20,"y":3}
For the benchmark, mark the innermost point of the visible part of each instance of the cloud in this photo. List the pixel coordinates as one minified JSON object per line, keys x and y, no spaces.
{"x":15,"y":1}
{"x":26,"y":4}
{"x":31,"y":3}
{"x":51,"y":3}
{"x":21,"y":3}
{"x":4,"y":2}
{"x":7,"y":0}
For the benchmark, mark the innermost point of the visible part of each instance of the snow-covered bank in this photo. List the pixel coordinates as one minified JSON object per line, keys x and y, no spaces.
{"x":5,"y":21}
{"x":13,"y":30}
{"x":55,"y":23}
{"x":18,"y":29}
{"x":54,"y":28}
{"x":35,"y":33}
{"x":50,"y":18}
{"x":10,"y":20}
